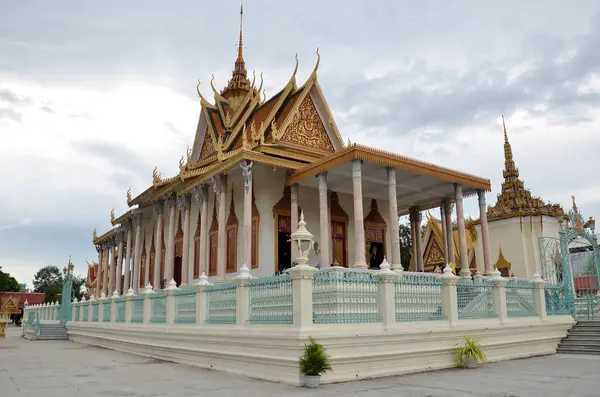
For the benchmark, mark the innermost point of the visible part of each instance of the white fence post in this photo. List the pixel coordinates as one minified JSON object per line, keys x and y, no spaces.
{"x":200,"y":287}
{"x":170,"y":301}
{"x":539,"y":297}
{"x":242,"y":295}
{"x":450,"y":301}
{"x":387,"y":293}
{"x":128,"y":305}
{"x":101,"y":307}
{"x":147,"y":291}
{"x":91,"y":308}
{"x":74,"y":309}
{"x":113,"y":307}
{"x":500,"y":295}
{"x":302,"y":290}
{"x":81,"y":309}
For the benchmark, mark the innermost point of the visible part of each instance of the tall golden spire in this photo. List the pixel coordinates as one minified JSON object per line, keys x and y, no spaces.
{"x":514,"y":199}
{"x":239,"y":84}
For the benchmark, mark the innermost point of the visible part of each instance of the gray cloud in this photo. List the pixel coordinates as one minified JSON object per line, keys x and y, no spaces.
{"x":119,"y":156}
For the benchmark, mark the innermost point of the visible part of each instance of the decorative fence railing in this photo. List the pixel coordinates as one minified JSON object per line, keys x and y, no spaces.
{"x":106,"y":310}
{"x":158,"y":308}
{"x":419,"y":297}
{"x":45,"y":311}
{"x":341,"y":296}
{"x":271,"y":300}
{"x":137,"y":309}
{"x":520,"y":298}
{"x":185,"y":306}
{"x":475,"y":299}
{"x":120,"y":304}
{"x":557,"y":300}
{"x":221,"y":303}
{"x":307,"y":296}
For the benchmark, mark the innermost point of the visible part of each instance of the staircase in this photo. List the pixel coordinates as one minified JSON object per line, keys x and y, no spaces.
{"x":47,"y":332}
{"x":583,"y":338}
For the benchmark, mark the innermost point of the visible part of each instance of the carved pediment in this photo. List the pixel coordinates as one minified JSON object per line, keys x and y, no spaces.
{"x":307,"y":128}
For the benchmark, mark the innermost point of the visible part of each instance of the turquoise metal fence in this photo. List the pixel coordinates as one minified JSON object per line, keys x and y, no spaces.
{"x":519,"y":298}
{"x":271,"y":300}
{"x":475,"y":300}
{"x":220,"y":303}
{"x":95,"y":309}
{"x":185,"y":306}
{"x":120,"y":317}
{"x":158,"y":308}
{"x":558,"y":299}
{"x":86,"y":311}
{"x":137,"y":309}
{"x":419,"y":297}
{"x":106,"y":306}
{"x":344,"y":296}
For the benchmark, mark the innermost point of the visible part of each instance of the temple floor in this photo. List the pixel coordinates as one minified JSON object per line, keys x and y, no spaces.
{"x":64,"y":368}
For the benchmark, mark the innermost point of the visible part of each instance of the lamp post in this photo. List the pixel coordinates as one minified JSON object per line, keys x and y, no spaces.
{"x":302,"y":242}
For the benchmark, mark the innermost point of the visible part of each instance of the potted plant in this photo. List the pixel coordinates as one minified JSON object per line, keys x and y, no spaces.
{"x":469,"y":353}
{"x":313,"y":363}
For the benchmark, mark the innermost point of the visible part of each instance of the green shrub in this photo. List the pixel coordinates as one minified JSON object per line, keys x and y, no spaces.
{"x":314,"y":361}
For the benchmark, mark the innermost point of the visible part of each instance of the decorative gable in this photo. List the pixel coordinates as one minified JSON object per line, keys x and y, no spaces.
{"x":307,"y":129}
{"x":10,"y":305}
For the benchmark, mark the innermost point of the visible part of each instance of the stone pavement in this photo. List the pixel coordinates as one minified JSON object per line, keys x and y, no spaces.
{"x":63,"y":368}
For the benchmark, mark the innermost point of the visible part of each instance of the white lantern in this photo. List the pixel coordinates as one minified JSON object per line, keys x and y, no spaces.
{"x":302,"y":241}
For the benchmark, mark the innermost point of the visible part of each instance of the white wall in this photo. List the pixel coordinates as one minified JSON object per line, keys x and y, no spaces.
{"x":518,"y":237}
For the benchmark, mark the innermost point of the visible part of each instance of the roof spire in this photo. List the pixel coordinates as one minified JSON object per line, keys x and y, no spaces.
{"x":240,"y":45}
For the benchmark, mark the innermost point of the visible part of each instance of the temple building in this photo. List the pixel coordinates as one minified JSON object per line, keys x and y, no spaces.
{"x":254,"y":166}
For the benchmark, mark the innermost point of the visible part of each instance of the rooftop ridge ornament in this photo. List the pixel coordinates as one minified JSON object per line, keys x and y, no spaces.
{"x":94,"y":235}
{"x":156,"y":177}
{"x":112,"y":215}
{"x":129,"y":195}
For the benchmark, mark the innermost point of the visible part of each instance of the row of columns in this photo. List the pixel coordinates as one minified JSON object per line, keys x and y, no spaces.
{"x":415,"y":224}
{"x":183,"y":204}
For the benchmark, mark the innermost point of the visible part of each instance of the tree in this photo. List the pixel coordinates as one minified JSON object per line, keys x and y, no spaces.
{"x":49,"y":281}
{"x":405,"y":245}
{"x":8,"y":283}
{"x":78,"y":281}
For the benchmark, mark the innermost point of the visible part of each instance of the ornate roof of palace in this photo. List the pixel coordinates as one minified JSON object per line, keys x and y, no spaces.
{"x":32,"y":298}
{"x":514,"y":200}
{"x":294,"y":129}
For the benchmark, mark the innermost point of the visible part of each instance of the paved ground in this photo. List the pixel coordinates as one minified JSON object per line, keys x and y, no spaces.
{"x":63,"y":368}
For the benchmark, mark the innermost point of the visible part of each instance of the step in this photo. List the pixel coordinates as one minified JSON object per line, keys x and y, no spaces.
{"x":577,"y":351}
{"x":581,"y":340}
{"x":575,"y":345}
{"x":576,"y":331}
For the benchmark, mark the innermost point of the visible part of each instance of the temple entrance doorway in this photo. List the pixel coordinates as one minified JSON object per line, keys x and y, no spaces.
{"x":339,"y":243}
{"x":376,"y":252}
{"x":284,"y":246}
{"x":177,"y":270}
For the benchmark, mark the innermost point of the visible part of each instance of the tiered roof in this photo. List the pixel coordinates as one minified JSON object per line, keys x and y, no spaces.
{"x":514,"y":200}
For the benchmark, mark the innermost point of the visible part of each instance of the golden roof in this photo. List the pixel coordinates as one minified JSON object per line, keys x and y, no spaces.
{"x":514,"y":200}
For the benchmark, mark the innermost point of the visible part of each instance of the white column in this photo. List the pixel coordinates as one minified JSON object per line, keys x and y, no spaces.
{"x":418,"y":244}
{"x":242,"y":296}
{"x":294,"y":207}
{"x":169,"y":266}
{"x":113,"y":268}
{"x":107,"y":251}
{"x":158,"y":243}
{"x":137,"y":224}
{"x":170,"y":302}
{"x":462,"y":236}
{"x":201,"y":196}
{"x":387,"y":293}
{"x":444,"y":233}
{"x":100,"y":249}
{"x":120,"y":243}
{"x":247,"y":173}
{"x":200,"y":287}
{"x":222,"y":218}
{"x":324,"y":240}
{"x":359,"y":227}
{"x":394,"y":224}
{"x":128,"y":278}
{"x":184,"y":206}
{"x":449,"y":231}
{"x":500,"y":296}
{"x":485,"y":236}
{"x":539,"y":298}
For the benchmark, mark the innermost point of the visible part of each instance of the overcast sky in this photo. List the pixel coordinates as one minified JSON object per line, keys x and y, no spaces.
{"x":93,"y":95}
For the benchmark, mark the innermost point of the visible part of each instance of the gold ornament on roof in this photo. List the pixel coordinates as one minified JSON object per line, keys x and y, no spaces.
{"x":156,"y":177}
{"x":112,"y":215}
{"x":128,"y":195}
{"x":94,"y":235}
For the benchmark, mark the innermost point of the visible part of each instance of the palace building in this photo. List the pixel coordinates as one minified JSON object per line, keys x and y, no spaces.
{"x":254,"y":166}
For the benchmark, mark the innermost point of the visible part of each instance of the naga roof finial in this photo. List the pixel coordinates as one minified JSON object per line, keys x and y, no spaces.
{"x":128,"y":195}
{"x":112,"y":215}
